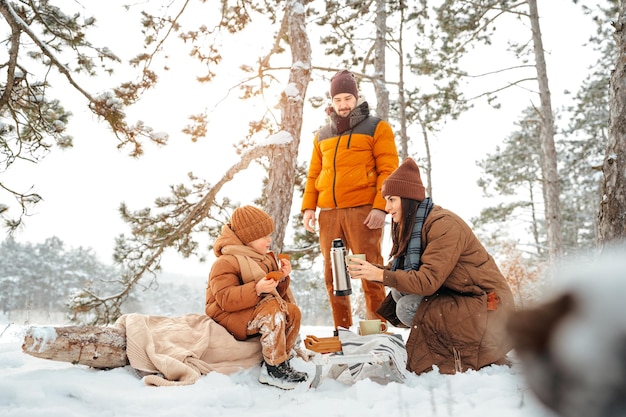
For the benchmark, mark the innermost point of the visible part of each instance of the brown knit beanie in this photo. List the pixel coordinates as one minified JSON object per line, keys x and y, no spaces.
{"x":343,"y":82}
{"x":405,"y":182}
{"x":250,"y":223}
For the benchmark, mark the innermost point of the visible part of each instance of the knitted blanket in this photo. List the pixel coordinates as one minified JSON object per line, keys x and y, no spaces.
{"x":178,"y":350}
{"x":391,"y":344}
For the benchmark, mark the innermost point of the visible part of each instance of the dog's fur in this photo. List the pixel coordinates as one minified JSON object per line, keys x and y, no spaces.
{"x":572,"y":347}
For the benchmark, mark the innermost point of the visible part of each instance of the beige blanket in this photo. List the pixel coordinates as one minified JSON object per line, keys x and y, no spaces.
{"x":178,"y":350}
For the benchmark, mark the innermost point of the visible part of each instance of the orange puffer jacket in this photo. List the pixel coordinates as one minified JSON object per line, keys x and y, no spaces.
{"x":229,"y":300}
{"x":348,"y":169}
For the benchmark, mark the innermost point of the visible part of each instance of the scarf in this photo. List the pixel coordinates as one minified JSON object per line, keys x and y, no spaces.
{"x":248,"y":260}
{"x":341,"y":124}
{"x":414,"y":249}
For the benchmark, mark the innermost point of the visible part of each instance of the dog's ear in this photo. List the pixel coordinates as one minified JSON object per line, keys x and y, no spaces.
{"x":531,"y":329}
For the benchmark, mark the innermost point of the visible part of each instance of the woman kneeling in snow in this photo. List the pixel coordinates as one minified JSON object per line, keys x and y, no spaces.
{"x":444,"y":284}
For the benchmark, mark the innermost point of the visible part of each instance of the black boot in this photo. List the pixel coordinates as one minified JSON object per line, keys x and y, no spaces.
{"x":281,"y":375}
{"x":295,"y":375}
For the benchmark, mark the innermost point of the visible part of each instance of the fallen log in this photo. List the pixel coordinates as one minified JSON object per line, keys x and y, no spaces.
{"x":95,"y":346}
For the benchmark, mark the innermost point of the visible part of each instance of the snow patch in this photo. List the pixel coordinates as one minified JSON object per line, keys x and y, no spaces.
{"x":42,"y":336}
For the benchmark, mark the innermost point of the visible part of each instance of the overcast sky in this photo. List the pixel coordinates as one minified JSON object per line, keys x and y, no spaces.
{"x":83,"y":187}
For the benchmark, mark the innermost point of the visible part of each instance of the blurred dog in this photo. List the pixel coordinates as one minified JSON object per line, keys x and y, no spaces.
{"x":572,"y":347}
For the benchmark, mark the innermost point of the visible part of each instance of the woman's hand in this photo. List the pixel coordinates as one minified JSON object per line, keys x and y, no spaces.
{"x":360,"y":269}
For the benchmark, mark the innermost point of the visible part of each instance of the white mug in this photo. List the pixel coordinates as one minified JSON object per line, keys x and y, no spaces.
{"x":372,"y":327}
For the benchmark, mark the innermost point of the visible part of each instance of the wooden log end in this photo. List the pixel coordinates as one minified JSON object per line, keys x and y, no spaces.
{"x":94,"y":346}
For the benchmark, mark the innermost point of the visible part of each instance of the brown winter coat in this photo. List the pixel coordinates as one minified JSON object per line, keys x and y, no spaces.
{"x":230,"y":301}
{"x":453,"y":327}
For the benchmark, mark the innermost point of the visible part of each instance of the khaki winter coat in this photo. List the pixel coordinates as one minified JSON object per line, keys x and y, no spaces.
{"x":348,"y":169}
{"x":454,"y":327}
{"x":230,"y":301}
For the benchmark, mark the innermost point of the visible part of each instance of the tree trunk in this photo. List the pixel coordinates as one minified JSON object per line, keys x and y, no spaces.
{"x":551,"y":184}
{"x":95,"y":346}
{"x":380,"y":44}
{"x":612,"y":214}
{"x":278,"y":192}
{"x":403,"y":140}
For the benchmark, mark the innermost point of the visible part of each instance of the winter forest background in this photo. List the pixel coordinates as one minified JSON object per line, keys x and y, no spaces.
{"x":241,"y":86}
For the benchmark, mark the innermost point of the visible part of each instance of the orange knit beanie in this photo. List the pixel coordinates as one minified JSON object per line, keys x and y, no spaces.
{"x":250,"y":223}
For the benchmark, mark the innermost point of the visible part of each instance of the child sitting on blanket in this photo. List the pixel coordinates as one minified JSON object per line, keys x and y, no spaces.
{"x":248,"y":293}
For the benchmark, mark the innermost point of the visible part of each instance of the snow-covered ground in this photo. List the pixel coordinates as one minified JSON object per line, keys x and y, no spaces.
{"x":31,"y":387}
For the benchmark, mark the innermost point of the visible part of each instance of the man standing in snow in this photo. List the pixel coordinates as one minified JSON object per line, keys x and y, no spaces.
{"x":352,"y":155}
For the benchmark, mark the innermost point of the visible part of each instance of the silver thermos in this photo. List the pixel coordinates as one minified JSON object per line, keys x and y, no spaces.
{"x":341,"y":278}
